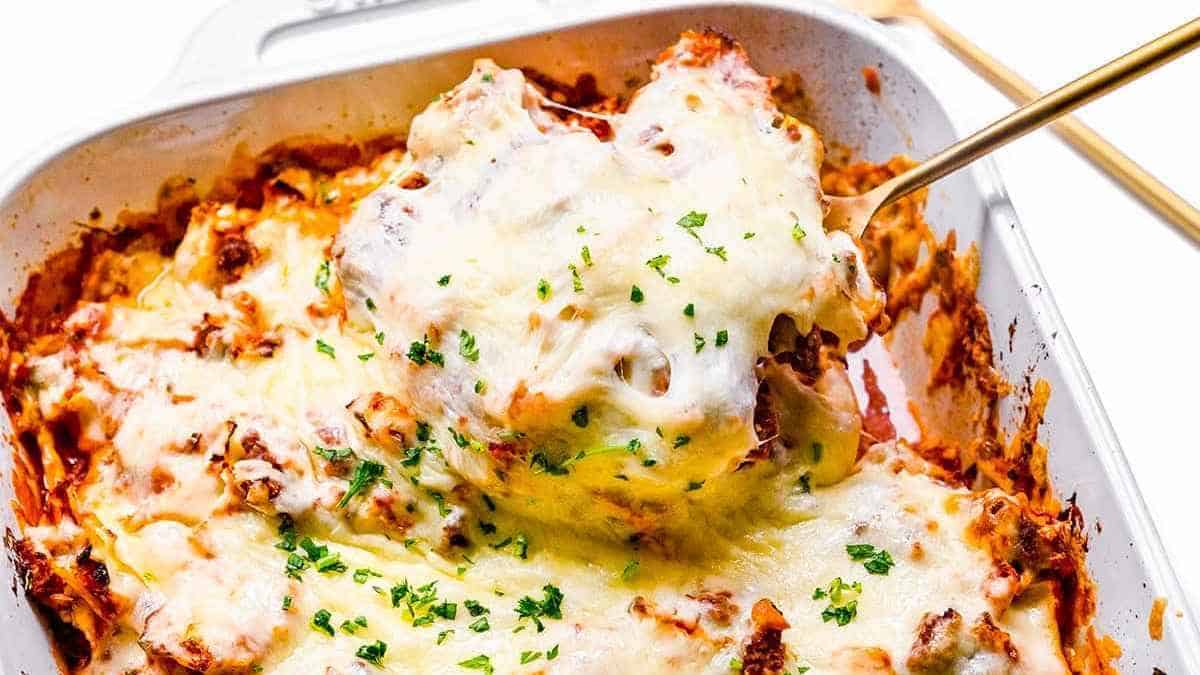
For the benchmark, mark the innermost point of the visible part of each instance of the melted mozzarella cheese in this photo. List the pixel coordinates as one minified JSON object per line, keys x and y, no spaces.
{"x":569,"y":261}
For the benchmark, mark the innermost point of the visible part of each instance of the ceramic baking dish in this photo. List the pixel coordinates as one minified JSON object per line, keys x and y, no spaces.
{"x":222,"y":96}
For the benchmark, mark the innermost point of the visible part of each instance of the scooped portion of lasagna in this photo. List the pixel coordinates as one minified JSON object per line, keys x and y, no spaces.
{"x":604,"y":306}
{"x":541,"y":390}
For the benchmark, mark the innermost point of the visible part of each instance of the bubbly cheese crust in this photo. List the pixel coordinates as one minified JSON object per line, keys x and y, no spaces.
{"x":566,"y":263}
{"x":246,"y":467}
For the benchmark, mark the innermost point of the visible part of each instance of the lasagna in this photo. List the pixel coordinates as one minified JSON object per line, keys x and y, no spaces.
{"x":545,"y":386}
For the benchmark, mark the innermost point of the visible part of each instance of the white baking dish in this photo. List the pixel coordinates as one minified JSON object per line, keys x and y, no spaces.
{"x":222,"y":96}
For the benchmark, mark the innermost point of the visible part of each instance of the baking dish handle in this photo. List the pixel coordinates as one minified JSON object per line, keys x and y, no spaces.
{"x":230,"y":42}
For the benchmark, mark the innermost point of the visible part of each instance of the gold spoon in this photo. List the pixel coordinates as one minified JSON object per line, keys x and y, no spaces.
{"x":853,"y":213}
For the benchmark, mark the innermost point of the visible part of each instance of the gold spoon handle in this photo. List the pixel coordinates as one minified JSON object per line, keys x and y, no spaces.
{"x":1083,"y":139}
{"x":1054,"y":104}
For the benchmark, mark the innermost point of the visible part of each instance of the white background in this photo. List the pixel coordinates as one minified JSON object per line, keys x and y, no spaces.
{"x":1127,"y":285}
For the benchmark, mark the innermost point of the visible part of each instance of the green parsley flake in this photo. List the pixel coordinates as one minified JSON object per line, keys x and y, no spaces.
{"x":320,"y":622}
{"x":543,"y":290}
{"x":333,"y":454}
{"x":576,"y":280}
{"x":530,"y":657}
{"x":722,"y":338}
{"x":692,"y":219}
{"x":444,"y":281}
{"x":487,"y":77}
{"x":372,"y":652}
{"x":875,"y":560}
{"x":446,"y":610}
{"x":630,"y":571}
{"x":326,"y":349}
{"x":321,"y":280}
{"x":549,"y":607}
{"x":689,"y":310}
{"x":480,"y":625}
{"x":421,"y":353}
{"x":805,"y":483}
{"x":287,"y":603}
{"x":818,"y":451}
{"x":480,"y":387}
{"x":694,"y":485}
{"x":481,"y":662}
{"x":842,"y":608}
{"x":748,"y":235}
{"x":735,"y":664}
{"x":443,"y":635}
{"x":295,"y":566}
{"x":370,"y":305}
{"x":586,"y":254}
{"x":365,"y":475}
{"x":552,"y":654}
{"x":379,"y":337}
{"x":580,"y":416}
{"x":466,"y":346}
{"x":366,"y":356}
{"x":698,"y":341}
{"x":841,"y":615}
{"x":681,"y":441}
{"x":718,"y":251}
{"x":798,"y":233}
{"x":474,"y":608}
{"x":659,"y":263}
{"x":636,"y":295}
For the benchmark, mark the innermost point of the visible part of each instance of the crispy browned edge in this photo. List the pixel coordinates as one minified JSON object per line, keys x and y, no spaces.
{"x":1048,"y":541}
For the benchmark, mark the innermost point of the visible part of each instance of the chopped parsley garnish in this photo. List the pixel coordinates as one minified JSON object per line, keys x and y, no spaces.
{"x":296,"y":564}
{"x":487,"y":77}
{"x":692,"y":219}
{"x":689,"y":310}
{"x":363,"y":573}
{"x":397,"y":593}
{"x":540,"y":462}
{"x":287,"y":533}
{"x":313,"y":550}
{"x":552,"y":654}
{"x":659,"y":263}
{"x":333,"y":454}
{"x":379,"y":337}
{"x":366,"y":356}
{"x":748,"y":235}
{"x":636,"y":295}
{"x":480,"y":387}
{"x":423,"y":620}
{"x":287,"y":603}
{"x":580,"y":416}
{"x":423,"y":431}
{"x":373,"y":652}
{"x":481,"y":662}
{"x":799,"y":234}
{"x":549,"y":607}
{"x":351,"y":627}
{"x":320,"y":622}
{"x":698,"y":341}
{"x":836,"y":259}
{"x":718,"y":251}
{"x":694,"y":485}
{"x":444,"y":281}
{"x":630,"y":571}
{"x":576,"y":280}
{"x":842,"y":609}
{"x":370,"y":305}
{"x":444,"y":634}
{"x":543,"y":290}
{"x":842,"y":615}
{"x":722,"y":338}
{"x":521,"y":545}
{"x":480,"y":625}
{"x":581,"y":229}
{"x":331,"y":564}
{"x":818,"y":451}
{"x":474,"y":608}
{"x":735,"y":664}
{"x":681,"y":441}
{"x":530,"y":657}
{"x":446,"y":610}
{"x":326,"y":349}
{"x":486,"y":527}
{"x":586,"y":255}
{"x":321,"y":281}
{"x":365,"y":475}
{"x":464,"y":441}
{"x":421,"y":353}
{"x":466,"y":346}
{"x":412,"y":456}
{"x":876,"y":560}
